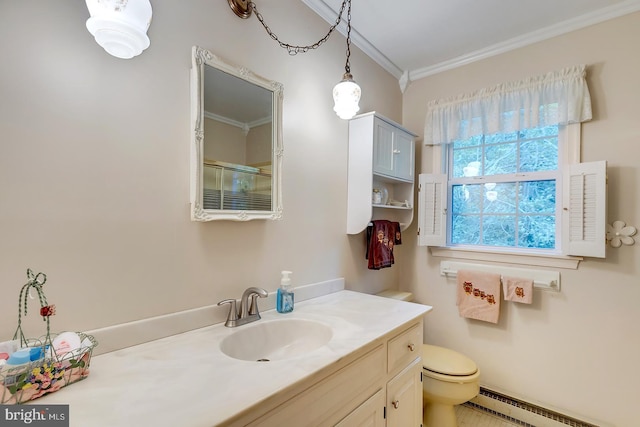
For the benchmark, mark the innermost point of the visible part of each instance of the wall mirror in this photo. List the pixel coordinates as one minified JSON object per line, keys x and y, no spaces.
{"x":236,"y":148}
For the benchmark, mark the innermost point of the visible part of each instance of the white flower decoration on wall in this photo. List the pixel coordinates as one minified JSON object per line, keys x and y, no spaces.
{"x":619,"y":233}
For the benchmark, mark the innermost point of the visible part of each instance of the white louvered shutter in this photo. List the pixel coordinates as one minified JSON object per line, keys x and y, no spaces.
{"x":584,"y":209}
{"x":432,"y":210}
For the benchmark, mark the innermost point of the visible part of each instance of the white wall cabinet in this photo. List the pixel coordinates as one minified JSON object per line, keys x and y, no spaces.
{"x":393,"y":151}
{"x":381,"y":156}
{"x":380,"y":388}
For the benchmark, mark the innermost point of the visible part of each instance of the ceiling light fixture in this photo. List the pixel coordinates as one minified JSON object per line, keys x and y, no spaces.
{"x":346,"y":94}
{"x":120,"y":26}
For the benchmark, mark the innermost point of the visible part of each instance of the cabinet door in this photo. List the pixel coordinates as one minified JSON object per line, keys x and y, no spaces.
{"x":369,"y":414}
{"x":404,"y":397}
{"x":403,"y":165}
{"x":383,"y":161}
{"x":393,"y":151}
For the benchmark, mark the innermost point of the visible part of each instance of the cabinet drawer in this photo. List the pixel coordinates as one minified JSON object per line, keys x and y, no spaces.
{"x":404,"y":348}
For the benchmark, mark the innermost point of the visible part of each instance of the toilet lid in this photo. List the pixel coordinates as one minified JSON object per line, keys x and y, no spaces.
{"x":445,"y":361}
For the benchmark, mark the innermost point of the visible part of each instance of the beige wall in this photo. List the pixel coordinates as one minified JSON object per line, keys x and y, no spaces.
{"x":259,"y":145}
{"x":94,"y":164}
{"x":229,"y":143}
{"x":94,"y":155}
{"x":224,"y":142}
{"x":577,"y":350}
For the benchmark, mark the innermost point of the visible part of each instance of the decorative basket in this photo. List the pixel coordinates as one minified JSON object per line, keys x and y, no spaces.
{"x":51,"y":370}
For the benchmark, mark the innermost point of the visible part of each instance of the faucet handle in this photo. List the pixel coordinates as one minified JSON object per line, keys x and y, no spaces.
{"x":233,"y":311}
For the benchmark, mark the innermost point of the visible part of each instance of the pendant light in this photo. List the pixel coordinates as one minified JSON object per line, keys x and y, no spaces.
{"x":120,"y":26}
{"x":346,"y":94}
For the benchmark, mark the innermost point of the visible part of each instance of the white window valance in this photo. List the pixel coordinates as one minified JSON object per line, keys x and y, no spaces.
{"x":555,"y":98}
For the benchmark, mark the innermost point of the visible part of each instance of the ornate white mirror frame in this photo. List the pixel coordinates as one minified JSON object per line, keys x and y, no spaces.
{"x":200,"y":59}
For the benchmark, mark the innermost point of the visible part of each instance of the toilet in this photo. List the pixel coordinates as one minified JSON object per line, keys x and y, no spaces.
{"x":448,"y":378}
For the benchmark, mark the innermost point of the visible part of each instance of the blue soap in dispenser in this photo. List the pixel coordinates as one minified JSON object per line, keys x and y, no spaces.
{"x":284,"y":300}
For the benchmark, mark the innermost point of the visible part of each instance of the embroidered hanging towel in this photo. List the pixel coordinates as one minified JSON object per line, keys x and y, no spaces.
{"x":517,"y":289}
{"x":382,"y":236}
{"x":478,"y":295}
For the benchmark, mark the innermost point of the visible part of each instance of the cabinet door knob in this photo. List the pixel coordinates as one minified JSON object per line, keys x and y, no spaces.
{"x":396,"y":151}
{"x":411,"y":347}
{"x":396,"y":404}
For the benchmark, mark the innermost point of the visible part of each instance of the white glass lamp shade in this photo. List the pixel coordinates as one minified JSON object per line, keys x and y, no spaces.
{"x":120,"y":26}
{"x":346,"y":96}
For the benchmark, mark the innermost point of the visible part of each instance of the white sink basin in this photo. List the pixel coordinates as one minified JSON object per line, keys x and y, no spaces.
{"x":268,"y":340}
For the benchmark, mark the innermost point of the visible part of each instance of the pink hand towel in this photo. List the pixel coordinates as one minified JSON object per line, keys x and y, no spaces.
{"x":517,"y":289}
{"x":478,"y":295}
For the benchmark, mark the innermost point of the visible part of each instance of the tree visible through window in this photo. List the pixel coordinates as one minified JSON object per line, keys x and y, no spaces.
{"x":503,"y":189}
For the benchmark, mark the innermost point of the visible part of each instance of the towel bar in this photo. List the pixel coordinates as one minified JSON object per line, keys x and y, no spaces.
{"x":542,"y":279}
{"x":402,"y":225}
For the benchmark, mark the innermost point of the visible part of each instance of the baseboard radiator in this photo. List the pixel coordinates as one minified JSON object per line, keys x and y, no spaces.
{"x":521,"y":413}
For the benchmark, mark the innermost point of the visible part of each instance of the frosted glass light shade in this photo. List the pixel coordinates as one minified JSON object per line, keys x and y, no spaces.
{"x":346,"y":96}
{"x":120,"y":26}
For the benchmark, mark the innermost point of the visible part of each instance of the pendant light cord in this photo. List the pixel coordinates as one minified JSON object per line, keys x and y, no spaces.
{"x":295,"y":49}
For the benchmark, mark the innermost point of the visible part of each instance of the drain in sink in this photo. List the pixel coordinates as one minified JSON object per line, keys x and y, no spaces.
{"x":263,"y":360}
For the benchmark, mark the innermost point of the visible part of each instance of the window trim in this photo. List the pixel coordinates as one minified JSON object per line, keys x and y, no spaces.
{"x":539,"y":260}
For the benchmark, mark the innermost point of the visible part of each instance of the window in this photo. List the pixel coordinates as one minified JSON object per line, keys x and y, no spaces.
{"x":511,"y":180}
{"x":503,"y":189}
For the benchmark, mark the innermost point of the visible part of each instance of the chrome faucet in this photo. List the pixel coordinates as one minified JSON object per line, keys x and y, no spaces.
{"x":248,"y":307}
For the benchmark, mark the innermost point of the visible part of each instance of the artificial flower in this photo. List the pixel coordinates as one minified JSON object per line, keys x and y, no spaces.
{"x":619,"y":233}
{"x":47,"y":310}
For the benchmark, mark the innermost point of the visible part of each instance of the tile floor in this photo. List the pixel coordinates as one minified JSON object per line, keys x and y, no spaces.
{"x":471,"y":417}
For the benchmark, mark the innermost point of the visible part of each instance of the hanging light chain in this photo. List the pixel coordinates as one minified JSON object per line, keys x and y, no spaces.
{"x":295,"y":49}
{"x":347,"y":66}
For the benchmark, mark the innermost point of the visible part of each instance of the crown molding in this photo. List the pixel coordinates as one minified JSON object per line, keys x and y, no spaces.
{"x":406,"y":76}
{"x":236,"y":123}
{"x":596,"y":17}
{"x":329,"y":15}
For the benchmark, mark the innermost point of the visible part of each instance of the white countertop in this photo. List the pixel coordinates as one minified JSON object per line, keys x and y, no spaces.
{"x":185,"y":380}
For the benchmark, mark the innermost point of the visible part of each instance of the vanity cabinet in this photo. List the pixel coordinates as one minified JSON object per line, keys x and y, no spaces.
{"x":381,"y":386}
{"x":381,"y":158}
{"x":404,"y":389}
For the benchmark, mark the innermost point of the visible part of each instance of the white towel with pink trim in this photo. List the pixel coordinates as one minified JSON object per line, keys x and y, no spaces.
{"x":517,"y":289}
{"x":478,"y":295}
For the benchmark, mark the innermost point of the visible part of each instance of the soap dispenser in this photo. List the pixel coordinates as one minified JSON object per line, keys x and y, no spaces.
{"x":284,"y":300}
